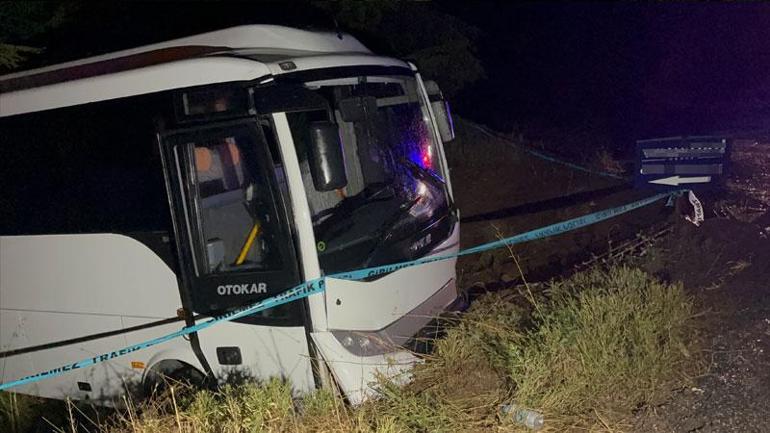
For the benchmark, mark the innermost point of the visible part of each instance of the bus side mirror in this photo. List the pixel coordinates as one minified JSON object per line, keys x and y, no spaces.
{"x":440,"y":107}
{"x":327,"y":161}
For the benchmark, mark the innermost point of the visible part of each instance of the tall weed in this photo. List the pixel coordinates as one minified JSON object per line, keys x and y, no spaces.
{"x":609,"y":342}
{"x":587,"y":351}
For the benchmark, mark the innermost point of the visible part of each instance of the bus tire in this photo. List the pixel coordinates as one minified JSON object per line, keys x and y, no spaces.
{"x":167,"y":373}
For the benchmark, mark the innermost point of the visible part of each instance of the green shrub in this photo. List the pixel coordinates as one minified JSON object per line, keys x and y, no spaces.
{"x":608,"y":342}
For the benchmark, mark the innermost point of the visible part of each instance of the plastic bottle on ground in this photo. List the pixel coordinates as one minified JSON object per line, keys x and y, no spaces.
{"x":526,"y":417}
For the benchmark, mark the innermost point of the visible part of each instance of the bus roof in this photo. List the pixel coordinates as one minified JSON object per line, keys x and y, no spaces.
{"x":235,"y":54}
{"x":260,"y":39}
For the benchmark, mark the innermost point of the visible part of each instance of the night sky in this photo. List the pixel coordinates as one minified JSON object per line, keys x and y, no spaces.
{"x":619,"y":71}
{"x":638,"y":69}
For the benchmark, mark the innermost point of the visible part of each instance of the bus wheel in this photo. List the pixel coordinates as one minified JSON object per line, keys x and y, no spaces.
{"x":165,"y":374}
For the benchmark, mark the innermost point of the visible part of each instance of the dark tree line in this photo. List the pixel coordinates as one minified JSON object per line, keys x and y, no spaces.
{"x":34,"y":34}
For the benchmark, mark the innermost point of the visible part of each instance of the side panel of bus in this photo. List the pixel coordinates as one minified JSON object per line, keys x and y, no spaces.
{"x":86,"y":247}
{"x":59,"y":287}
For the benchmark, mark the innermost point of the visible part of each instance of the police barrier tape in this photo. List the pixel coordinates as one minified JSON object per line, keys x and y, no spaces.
{"x":317,"y":285}
{"x":545,"y":156}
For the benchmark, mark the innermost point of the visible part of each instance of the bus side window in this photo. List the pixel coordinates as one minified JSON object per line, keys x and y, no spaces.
{"x":91,"y":168}
{"x":235,"y":207}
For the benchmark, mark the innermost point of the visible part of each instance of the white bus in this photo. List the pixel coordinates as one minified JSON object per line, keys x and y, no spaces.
{"x":155,"y":187}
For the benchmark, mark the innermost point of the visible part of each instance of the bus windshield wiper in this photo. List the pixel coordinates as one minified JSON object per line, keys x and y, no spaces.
{"x":422,"y":172}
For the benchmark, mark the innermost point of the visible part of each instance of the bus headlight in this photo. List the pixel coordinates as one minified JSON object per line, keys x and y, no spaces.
{"x":366,"y":343}
{"x":423,"y":205}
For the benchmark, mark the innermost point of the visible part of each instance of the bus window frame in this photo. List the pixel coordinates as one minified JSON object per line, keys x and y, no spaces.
{"x":202,"y":288}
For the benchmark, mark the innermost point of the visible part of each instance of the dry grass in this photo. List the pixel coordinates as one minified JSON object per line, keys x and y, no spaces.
{"x":599,"y":345}
{"x":608,"y":343}
{"x":16,"y":412}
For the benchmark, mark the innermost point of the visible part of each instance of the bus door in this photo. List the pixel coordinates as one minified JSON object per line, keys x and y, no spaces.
{"x":235,"y":247}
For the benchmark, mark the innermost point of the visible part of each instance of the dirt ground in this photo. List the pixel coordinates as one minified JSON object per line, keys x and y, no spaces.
{"x":507,"y":192}
{"x":724,"y":264}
